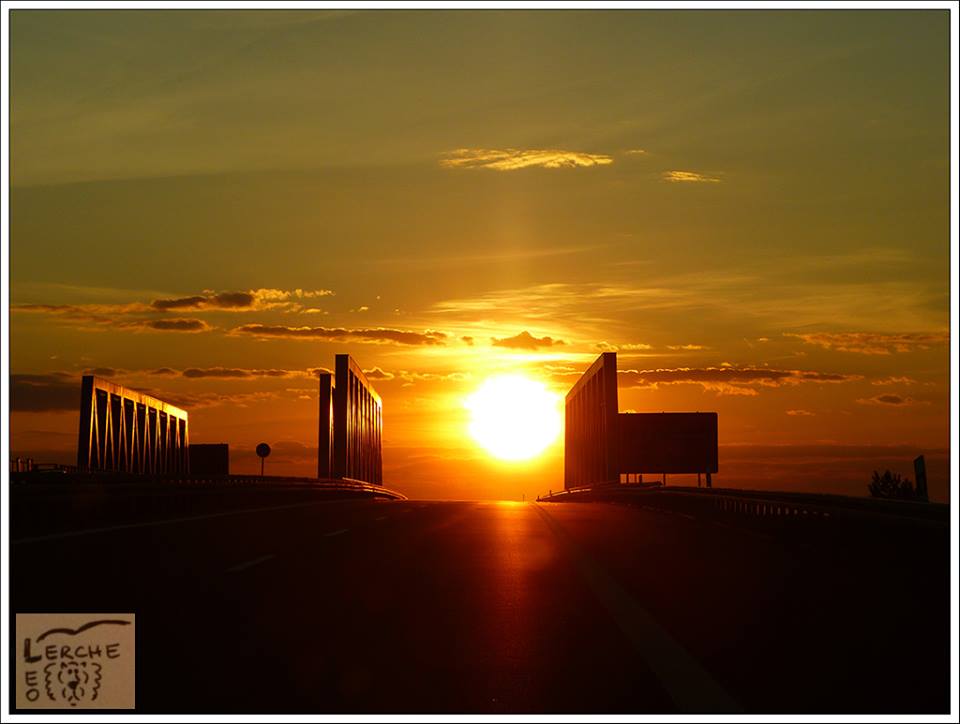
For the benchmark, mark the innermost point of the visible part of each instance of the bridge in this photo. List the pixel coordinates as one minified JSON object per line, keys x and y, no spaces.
{"x":339,"y":595}
{"x":280,"y":598}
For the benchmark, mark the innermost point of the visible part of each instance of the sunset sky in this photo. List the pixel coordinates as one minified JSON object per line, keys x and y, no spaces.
{"x":751,"y":208}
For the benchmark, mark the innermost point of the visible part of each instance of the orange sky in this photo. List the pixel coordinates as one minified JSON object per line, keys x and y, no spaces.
{"x":751,"y":208}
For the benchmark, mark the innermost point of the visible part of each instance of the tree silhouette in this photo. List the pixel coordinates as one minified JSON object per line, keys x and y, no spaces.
{"x":891,"y":485}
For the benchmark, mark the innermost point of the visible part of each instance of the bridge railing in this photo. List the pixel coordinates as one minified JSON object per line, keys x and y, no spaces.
{"x":42,"y":506}
{"x":766,"y":506}
{"x":72,"y":481}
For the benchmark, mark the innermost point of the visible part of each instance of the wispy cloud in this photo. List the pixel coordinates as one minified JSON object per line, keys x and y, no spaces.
{"x":801,"y":413}
{"x":512,"y":159}
{"x":224,"y":300}
{"x":243,"y":301}
{"x":729,"y":380}
{"x":60,"y":392}
{"x":525,"y":340}
{"x":888,"y":401}
{"x":237,"y":301}
{"x":689,"y":177}
{"x":378,"y":334}
{"x":874,"y":343}
{"x":238,"y":373}
{"x":82,"y":311}
{"x":179,"y":324}
{"x":375,"y":373}
{"x":625,"y":347}
{"x":758,"y":291}
{"x":196,"y":373}
{"x":549,"y":301}
{"x":107,"y":316}
{"x":193,"y":400}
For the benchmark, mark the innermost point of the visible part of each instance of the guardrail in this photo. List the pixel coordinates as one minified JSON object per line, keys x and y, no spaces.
{"x":760,"y":504}
{"x":41,"y":506}
{"x":76,"y":482}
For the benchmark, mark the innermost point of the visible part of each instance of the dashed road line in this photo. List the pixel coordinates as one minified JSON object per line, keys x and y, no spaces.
{"x":689,"y":684}
{"x":250,"y":564}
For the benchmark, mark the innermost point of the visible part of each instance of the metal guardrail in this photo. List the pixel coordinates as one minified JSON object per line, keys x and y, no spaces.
{"x":76,"y":483}
{"x":770,"y":505}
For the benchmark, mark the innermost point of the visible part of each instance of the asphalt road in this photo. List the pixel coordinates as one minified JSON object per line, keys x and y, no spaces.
{"x":409,"y":606}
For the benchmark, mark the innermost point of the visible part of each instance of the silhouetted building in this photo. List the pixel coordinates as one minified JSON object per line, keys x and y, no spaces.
{"x":210,"y":459}
{"x":601,"y":443}
{"x":351,"y":425}
{"x":122,"y":430}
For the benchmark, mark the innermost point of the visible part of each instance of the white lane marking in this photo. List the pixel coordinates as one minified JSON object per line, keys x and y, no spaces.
{"x":691,"y":686}
{"x":166,"y":521}
{"x":250,"y":564}
{"x":336,"y":532}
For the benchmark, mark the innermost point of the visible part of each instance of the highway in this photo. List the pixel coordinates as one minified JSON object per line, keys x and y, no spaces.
{"x":474,"y":607}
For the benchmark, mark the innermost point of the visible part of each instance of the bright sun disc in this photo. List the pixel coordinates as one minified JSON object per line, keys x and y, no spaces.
{"x":513,"y":417}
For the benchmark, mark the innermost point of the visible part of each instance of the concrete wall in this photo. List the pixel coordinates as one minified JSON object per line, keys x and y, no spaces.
{"x":357,"y":425}
{"x":591,"y":434}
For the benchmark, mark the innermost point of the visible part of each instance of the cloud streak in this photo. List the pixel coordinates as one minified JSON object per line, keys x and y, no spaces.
{"x":688,"y":177}
{"x":244,"y":301}
{"x":525,"y":340}
{"x":237,"y":373}
{"x":729,"y":380}
{"x":168,"y":325}
{"x":512,"y":159}
{"x":874,"y":343}
{"x":888,"y":401}
{"x":207,"y":301}
{"x":106,"y":316}
{"x":334,"y":334}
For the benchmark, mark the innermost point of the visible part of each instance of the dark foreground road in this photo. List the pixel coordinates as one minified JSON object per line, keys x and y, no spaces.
{"x":365,"y":606}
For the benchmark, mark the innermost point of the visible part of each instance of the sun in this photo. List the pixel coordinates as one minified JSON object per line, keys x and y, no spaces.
{"x":513,"y":417}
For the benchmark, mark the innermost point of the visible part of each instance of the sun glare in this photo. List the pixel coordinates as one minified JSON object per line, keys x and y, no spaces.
{"x":514,"y":417}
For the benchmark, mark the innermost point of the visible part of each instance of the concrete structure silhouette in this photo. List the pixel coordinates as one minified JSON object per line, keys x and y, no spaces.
{"x":350,"y":426}
{"x":210,"y":459}
{"x":601,"y":443}
{"x":125,"y":431}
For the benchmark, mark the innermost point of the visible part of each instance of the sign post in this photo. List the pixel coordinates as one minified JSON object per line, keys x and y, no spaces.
{"x":263,"y":450}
